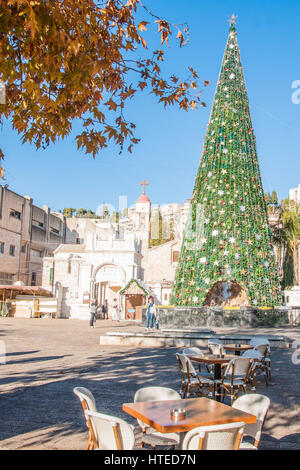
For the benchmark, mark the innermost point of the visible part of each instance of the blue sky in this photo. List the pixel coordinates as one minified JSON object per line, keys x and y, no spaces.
{"x":169,"y":153}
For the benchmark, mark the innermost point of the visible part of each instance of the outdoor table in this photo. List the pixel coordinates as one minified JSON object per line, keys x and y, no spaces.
{"x":237,"y":348}
{"x":199,"y":412}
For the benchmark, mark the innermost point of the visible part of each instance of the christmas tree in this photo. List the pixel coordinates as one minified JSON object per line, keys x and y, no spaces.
{"x":227,"y":237}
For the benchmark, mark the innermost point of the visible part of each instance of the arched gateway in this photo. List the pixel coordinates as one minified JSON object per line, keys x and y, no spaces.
{"x":106,"y":282}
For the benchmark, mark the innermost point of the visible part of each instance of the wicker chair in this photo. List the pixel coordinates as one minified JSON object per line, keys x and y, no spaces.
{"x":235,"y":378}
{"x":88,"y":402}
{"x":252,"y":374}
{"x":206,"y":370}
{"x":151,"y":436}
{"x":191,"y":380}
{"x":109,"y":432}
{"x":265,"y":363}
{"x":215,"y":348}
{"x":257,"y":405}
{"x":218,"y":437}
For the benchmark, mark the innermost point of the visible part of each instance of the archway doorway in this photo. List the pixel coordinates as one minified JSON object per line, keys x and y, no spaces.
{"x":227,"y":294}
{"x":108,"y":279}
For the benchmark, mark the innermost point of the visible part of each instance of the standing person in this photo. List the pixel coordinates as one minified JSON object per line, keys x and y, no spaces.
{"x":93,"y":311}
{"x":151,"y":313}
{"x":105,"y":310}
{"x":116,"y":310}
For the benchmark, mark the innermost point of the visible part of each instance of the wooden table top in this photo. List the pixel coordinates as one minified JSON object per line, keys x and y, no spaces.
{"x":235,"y":347}
{"x":213,"y":358}
{"x":199,"y":412}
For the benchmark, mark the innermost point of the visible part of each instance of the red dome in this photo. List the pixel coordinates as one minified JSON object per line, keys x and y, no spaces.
{"x":143,"y":198}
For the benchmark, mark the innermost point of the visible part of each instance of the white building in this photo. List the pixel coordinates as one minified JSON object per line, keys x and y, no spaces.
{"x":100,"y":258}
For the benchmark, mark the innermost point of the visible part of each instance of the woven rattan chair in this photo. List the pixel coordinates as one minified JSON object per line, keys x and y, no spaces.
{"x":109,"y":432}
{"x":265,"y":363}
{"x":151,"y":436}
{"x":218,"y":437}
{"x":235,"y":378}
{"x":88,"y":402}
{"x":252,"y":374}
{"x":257,"y":405}
{"x":192,"y":382}
{"x":204,"y":370}
{"x":215,"y":348}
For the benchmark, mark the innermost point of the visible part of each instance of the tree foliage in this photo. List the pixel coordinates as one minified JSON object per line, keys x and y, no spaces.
{"x":66,"y":60}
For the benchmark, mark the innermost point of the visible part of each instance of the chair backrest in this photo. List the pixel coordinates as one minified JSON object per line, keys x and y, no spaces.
{"x":154,"y":394}
{"x":216,"y":348}
{"x":262,"y":349}
{"x":191,"y":351}
{"x":239,"y":367}
{"x":218,"y":437}
{"x":111,"y":433}
{"x":254,"y":404}
{"x":86,"y":398}
{"x":253,"y":353}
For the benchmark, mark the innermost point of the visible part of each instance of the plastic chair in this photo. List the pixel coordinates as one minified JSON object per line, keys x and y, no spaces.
{"x":151,"y":436}
{"x":235,"y":378}
{"x":218,"y":437}
{"x":88,"y":402}
{"x":257,"y":405}
{"x":109,"y":432}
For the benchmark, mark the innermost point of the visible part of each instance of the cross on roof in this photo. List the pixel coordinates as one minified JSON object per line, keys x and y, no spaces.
{"x":143,"y":183}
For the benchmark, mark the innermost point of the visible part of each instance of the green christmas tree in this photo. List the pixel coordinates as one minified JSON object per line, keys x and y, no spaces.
{"x":227,"y":237}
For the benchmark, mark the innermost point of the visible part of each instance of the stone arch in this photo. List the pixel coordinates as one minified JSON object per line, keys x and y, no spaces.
{"x":227,"y":294}
{"x":103,"y":265}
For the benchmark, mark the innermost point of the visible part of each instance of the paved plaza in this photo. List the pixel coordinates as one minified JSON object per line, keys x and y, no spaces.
{"x":47,"y":358}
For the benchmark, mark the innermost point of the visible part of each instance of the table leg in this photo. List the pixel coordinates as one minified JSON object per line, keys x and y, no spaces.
{"x":217,"y":376}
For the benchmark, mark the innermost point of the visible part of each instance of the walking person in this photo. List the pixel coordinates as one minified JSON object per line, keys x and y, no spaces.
{"x":116,"y":315}
{"x":105,"y":310}
{"x":93,"y":312}
{"x":151,"y":312}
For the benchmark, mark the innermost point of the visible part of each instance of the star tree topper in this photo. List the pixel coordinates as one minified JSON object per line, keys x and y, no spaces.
{"x":232,"y":19}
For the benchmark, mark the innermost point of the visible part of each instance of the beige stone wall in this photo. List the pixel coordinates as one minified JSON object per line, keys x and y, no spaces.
{"x":158,"y":263}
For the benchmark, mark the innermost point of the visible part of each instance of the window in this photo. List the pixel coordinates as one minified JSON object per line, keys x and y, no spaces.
{"x":1,"y":248}
{"x":12,"y":250}
{"x":6,"y":279}
{"x":166,"y":297}
{"x":36,"y":253}
{"x":175,"y":256}
{"x":23,"y":248}
{"x":54,"y":230}
{"x":36,"y":223}
{"x":15,"y":214}
{"x":33,"y":279}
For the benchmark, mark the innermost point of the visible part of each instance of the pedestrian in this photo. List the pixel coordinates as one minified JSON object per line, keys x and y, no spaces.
{"x":105,"y":310}
{"x":156,"y":319}
{"x":93,"y":311}
{"x":116,"y":315}
{"x":151,"y":313}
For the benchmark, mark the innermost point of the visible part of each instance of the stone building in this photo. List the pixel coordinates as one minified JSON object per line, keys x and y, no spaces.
{"x":27,"y":234}
{"x":99,"y":258}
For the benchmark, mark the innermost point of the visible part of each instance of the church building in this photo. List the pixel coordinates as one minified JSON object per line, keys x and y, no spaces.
{"x":105,"y":260}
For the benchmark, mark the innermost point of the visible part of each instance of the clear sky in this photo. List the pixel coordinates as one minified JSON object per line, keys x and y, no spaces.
{"x":169,"y":153}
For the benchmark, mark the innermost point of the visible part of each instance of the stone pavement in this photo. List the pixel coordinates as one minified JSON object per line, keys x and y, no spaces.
{"x":47,"y":358}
